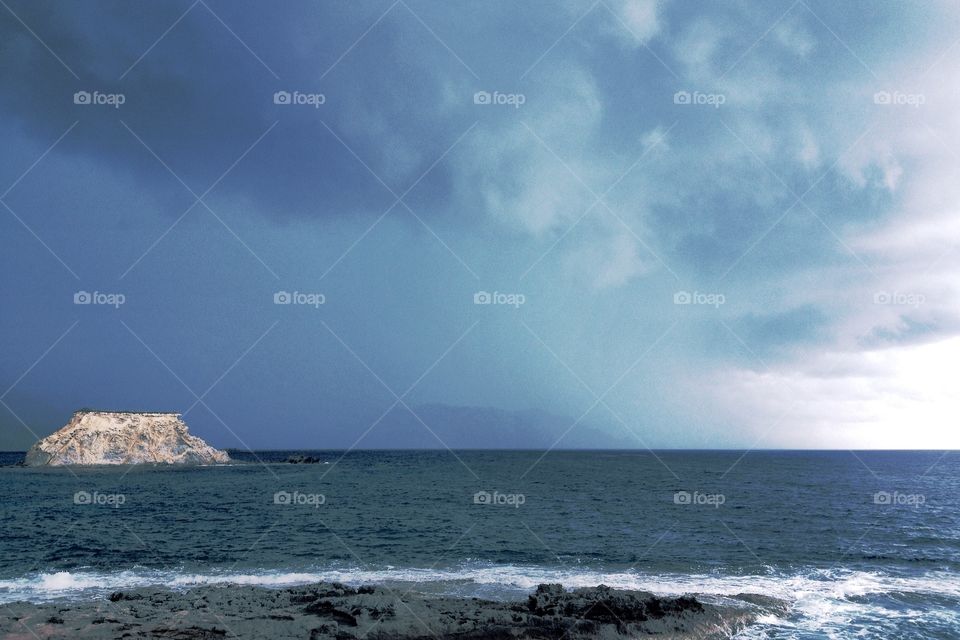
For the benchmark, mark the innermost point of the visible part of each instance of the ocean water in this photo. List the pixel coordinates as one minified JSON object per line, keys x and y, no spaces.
{"x":863,"y":544}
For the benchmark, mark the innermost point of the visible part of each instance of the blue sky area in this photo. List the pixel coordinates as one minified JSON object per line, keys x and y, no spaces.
{"x":621,"y":223}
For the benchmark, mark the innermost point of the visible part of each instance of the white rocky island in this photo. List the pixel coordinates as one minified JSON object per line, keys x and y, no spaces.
{"x":123,"y":437}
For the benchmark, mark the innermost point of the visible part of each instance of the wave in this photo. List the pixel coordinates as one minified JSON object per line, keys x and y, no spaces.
{"x":837,"y":583}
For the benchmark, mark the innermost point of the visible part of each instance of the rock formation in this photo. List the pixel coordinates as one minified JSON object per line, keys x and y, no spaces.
{"x":122,"y":437}
{"x":336,"y":612}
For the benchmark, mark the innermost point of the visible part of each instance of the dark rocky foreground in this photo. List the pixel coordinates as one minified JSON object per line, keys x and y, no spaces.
{"x":337,"y":611}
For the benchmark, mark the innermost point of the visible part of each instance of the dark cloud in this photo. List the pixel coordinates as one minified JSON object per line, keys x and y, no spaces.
{"x":780,"y":331}
{"x":909,"y":330}
{"x":199,"y":99}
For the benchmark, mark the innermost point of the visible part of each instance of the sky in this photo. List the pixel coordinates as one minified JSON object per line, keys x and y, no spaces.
{"x":629,"y":223}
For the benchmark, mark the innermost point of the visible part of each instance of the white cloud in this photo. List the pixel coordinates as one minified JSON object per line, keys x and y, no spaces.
{"x":873,"y":162}
{"x":906,"y":397}
{"x":526,"y":166}
{"x":655,"y":141}
{"x":633,"y":23}
{"x":642,"y":17}
{"x":607,"y":260}
{"x":536,"y":172}
{"x":793,"y":36}
{"x":891,"y":377}
{"x":697,"y":47}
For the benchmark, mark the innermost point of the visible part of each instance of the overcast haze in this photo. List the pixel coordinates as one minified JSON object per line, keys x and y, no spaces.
{"x":710,"y":224}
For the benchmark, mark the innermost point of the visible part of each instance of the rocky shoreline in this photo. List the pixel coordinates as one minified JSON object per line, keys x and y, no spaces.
{"x":340,"y":612}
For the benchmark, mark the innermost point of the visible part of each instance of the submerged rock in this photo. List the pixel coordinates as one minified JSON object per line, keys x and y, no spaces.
{"x":123,"y":437}
{"x":302,"y":459}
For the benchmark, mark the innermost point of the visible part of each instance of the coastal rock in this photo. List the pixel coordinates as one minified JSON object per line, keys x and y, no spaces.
{"x":339,"y":612}
{"x":122,"y":437}
{"x":607,"y":605}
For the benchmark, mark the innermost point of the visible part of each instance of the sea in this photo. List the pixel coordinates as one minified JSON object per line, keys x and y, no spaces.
{"x":862,"y":544}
